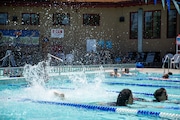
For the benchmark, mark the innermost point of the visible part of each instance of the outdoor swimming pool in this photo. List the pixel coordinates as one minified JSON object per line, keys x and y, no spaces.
{"x":85,"y":95}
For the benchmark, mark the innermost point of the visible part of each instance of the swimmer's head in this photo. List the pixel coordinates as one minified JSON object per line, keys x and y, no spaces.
{"x":160,"y":95}
{"x":165,"y":76}
{"x":115,"y":70}
{"x":126,"y":70}
{"x":125,"y":97}
{"x":170,"y":73}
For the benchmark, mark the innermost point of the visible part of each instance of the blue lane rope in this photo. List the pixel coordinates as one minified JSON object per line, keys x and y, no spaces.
{"x":147,"y":94}
{"x":144,"y":85}
{"x":111,"y":109}
{"x":150,"y":78}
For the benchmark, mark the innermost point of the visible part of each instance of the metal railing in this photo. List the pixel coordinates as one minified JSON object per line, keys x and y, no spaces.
{"x":11,"y":71}
{"x":86,"y":68}
{"x":49,"y":55}
{"x":166,"y":60}
{"x":18,"y":71}
{"x":5,"y":57}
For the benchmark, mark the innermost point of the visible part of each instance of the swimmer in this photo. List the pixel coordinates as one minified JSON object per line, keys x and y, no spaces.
{"x":59,"y":94}
{"x":124,"y":98}
{"x":160,"y":95}
{"x":165,"y":76}
{"x":126,"y":72}
{"x":115,"y":73}
{"x":170,"y":73}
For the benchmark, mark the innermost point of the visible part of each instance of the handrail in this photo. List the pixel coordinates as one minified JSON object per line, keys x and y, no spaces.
{"x":167,"y":58}
{"x":5,"y":57}
{"x":11,"y":71}
{"x":86,"y":68}
{"x":49,"y":55}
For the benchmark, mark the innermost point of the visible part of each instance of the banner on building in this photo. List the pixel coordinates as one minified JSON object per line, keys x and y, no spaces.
{"x":91,"y":45}
{"x":57,"y":33}
{"x":108,"y":44}
{"x":178,"y":39}
{"x":19,"y":37}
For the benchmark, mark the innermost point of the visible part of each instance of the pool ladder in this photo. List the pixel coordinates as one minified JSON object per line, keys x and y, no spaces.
{"x":166,"y":60}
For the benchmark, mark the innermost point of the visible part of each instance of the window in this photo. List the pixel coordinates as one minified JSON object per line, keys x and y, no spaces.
{"x":30,"y":19}
{"x":91,"y":19}
{"x":133,"y":25}
{"x":152,"y":24}
{"x":61,"y":19}
{"x":3,"y":18}
{"x":171,"y":23}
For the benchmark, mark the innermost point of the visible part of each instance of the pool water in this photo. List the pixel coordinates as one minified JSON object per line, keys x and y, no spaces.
{"x":83,"y":93}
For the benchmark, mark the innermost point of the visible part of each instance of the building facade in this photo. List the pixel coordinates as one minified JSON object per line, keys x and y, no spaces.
{"x":82,"y":27}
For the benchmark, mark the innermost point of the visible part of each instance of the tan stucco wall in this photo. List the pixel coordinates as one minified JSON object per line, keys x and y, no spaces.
{"x":110,"y":28}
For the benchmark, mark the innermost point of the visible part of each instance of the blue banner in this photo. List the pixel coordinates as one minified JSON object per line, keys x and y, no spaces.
{"x":168,"y":4}
{"x":101,"y":43}
{"x":155,"y":2}
{"x":19,"y":37}
{"x":108,"y":44}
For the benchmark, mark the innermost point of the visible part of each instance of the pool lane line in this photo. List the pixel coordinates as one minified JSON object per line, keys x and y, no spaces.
{"x":148,"y":78}
{"x":121,"y":110}
{"x":157,"y":79}
{"x":147,"y":94}
{"x":144,"y":85}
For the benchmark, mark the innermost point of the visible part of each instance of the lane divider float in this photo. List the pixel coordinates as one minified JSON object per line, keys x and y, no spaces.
{"x":110,"y":109}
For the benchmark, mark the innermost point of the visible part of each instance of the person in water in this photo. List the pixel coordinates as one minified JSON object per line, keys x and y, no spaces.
{"x":124,"y":98}
{"x":59,"y":94}
{"x":160,"y":95}
{"x":165,"y":76}
{"x":115,"y":73}
{"x":126,"y":72}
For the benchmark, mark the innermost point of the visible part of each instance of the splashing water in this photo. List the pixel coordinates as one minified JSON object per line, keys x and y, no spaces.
{"x":100,"y":76}
{"x":87,"y":88}
{"x":37,"y":74}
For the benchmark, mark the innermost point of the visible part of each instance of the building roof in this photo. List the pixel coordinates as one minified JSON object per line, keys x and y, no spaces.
{"x":92,"y":0}
{"x":81,"y":3}
{"x":94,"y":3}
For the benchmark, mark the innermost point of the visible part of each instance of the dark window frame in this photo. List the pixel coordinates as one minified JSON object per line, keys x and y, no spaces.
{"x":152,"y":25}
{"x":131,"y":36}
{"x":59,"y":17}
{"x":175,"y":29}
{"x":91,"y":20}
{"x":31,"y":20}
{"x":5,"y":20}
